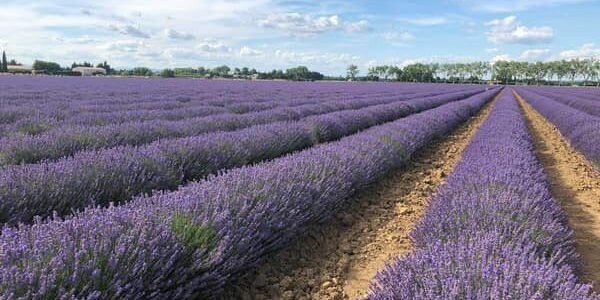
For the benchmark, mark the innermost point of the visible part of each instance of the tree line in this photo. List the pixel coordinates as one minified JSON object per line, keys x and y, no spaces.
{"x":581,"y":71}
{"x":300,"y":73}
{"x":576,"y":71}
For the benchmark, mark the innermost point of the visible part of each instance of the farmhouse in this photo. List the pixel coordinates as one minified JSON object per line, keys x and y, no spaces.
{"x":89,"y":71}
{"x":19,"y":69}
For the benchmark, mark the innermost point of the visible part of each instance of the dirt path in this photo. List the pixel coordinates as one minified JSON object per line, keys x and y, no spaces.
{"x":337,"y":260}
{"x":575,"y":184}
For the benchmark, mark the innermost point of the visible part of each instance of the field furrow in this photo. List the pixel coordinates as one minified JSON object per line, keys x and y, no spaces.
{"x":115,"y":175}
{"x":191,"y":242}
{"x":337,"y":260}
{"x":59,"y":143}
{"x":575,"y":183}
{"x":493,"y":230}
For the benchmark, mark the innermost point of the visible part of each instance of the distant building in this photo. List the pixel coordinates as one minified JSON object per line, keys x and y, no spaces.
{"x":20,"y":69}
{"x":89,"y":71}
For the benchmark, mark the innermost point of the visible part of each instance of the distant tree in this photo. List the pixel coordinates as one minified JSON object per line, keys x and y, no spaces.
{"x":298,"y":73}
{"x":373,"y":74}
{"x":104,"y":66}
{"x":141,"y":71}
{"x":221,"y":71}
{"x":4,"y":67}
{"x":417,"y":72}
{"x":245,"y":71}
{"x":395,"y":71}
{"x":167,"y":73}
{"x":352,"y":72}
{"x":502,"y":71}
{"x":47,"y":67}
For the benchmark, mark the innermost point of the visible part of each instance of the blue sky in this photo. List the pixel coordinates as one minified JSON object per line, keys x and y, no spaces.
{"x":323,"y":35}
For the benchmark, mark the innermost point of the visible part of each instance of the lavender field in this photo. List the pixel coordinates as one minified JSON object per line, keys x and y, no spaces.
{"x":148,"y":188}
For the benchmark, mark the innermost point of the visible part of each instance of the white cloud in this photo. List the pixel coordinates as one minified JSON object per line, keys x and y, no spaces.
{"x":314,"y":57}
{"x":247,"y":51}
{"x":297,"y":24}
{"x":178,"y":35}
{"x":534,"y":54}
{"x":213,"y":46}
{"x":585,"y":51}
{"x":181,"y":54}
{"x":123,"y":46}
{"x":510,"y":31}
{"x":500,"y":57}
{"x":360,"y":26}
{"x":128,"y":29}
{"x":301,"y":24}
{"x":398,"y":36}
{"x":507,"y":6}
{"x":425,"y":21}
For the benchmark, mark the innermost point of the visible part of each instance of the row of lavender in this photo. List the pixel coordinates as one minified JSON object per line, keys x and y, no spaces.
{"x":71,"y":113}
{"x":115,"y":175}
{"x":21,"y":97}
{"x":572,"y":97}
{"x":492,"y":231}
{"x":192,"y":241}
{"x":581,"y":129}
{"x":62,"y":142}
{"x":35,"y":123}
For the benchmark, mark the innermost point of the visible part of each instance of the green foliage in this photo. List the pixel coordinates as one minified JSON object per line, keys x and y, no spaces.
{"x":352,"y":72}
{"x":167,"y":73}
{"x":192,"y":235}
{"x":141,"y":71}
{"x":47,"y":67}
{"x":506,"y":72}
{"x":4,"y":65}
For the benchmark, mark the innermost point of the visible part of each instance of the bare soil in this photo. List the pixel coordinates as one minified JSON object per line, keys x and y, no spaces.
{"x":576,"y":184}
{"x":338,"y":259}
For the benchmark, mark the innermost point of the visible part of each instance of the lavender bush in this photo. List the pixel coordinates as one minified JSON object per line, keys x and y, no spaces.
{"x":189,"y":243}
{"x":571,"y":97}
{"x":581,"y":129}
{"x":115,"y":175}
{"x":492,"y":231}
{"x":62,"y":142}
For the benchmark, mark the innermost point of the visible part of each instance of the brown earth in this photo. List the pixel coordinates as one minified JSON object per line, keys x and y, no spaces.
{"x":574,"y":183}
{"x":337,"y":260}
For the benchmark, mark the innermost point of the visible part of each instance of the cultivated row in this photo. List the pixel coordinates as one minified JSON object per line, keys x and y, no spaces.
{"x":50,"y":97}
{"x":68,"y":141}
{"x":192,"y":241}
{"x":493,"y":231}
{"x":570,"y":98}
{"x":115,"y":175}
{"x":37,"y":124}
{"x":581,"y":129}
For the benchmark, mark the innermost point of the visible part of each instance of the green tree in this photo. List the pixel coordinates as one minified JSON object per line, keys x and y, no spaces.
{"x":141,"y":71}
{"x":352,"y":72}
{"x":4,"y":67}
{"x":104,"y":65}
{"x":502,"y":71}
{"x":221,"y":71}
{"x":47,"y":67}
{"x":373,"y":74}
{"x":395,"y":72}
{"x":167,"y":73}
{"x":299,"y":73}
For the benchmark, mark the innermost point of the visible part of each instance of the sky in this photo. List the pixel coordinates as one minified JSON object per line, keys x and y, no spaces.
{"x":325,"y":35}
